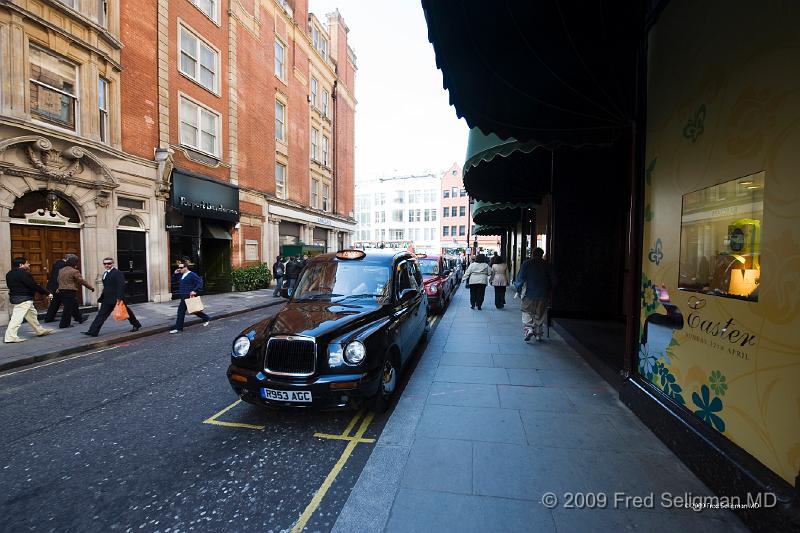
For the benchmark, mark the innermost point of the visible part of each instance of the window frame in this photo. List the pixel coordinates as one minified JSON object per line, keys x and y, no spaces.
{"x":75,"y":98}
{"x":314,"y":90}
{"x":218,"y":126}
{"x":282,"y":192}
{"x":325,"y":99}
{"x":104,"y":122}
{"x":282,"y":75}
{"x":325,"y":150}
{"x":314,"y":190}
{"x":215,"y":18}
{"x":313,"y":145}
{"x":282,"y":121}
{"x":197,"y":58}
{"x":326,"y":196}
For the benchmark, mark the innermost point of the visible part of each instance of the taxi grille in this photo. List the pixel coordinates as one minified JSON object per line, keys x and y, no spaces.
{"x":294,"y":356}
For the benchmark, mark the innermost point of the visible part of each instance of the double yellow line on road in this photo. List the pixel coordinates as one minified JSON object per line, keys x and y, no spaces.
{"x":353,"y":441}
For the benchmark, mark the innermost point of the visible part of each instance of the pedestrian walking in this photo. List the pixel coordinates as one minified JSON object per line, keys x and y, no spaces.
{"x":477,"y":276}
{"x":499,"y":280}
{"x":69,"y":281}
{"x":277,"y":273}
{"x":536,"y":275}
{"x":293,"y":269}
{"x":113,"y":291}
{"x":56,"y":301}
{"x":189,"y":285}
{"x":22,"y":288}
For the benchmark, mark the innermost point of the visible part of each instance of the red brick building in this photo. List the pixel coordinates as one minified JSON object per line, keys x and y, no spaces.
{"x":456,"y":224}
{"x":248,"y":113}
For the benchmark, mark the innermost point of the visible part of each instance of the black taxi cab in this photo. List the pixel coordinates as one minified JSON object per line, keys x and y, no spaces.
{"x":436,"y":278}
{"x":342,"y":339}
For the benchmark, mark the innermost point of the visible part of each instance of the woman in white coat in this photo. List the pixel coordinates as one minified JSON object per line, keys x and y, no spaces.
{"x":477,"y":276}
{"x":499,"y":280}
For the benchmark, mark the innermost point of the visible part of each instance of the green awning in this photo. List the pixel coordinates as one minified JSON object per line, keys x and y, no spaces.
{"x":498,"y":170}
{"x":504,"y":213}
{"x":558,"y":71}
{"x":489,"y":229}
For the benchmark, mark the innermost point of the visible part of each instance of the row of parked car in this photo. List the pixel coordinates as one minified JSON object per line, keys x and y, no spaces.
{"x":345,"y":335}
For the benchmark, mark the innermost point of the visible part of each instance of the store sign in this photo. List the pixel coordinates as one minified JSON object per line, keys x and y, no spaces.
{"x":203,"y":197}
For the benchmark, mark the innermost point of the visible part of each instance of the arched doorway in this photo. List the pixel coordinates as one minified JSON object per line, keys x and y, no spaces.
{"x":44,"y":227}
{"x":132,"y":258}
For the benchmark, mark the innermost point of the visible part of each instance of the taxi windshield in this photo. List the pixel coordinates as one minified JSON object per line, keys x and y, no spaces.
{"x":334,"y":279}
{"x":429,"y":267}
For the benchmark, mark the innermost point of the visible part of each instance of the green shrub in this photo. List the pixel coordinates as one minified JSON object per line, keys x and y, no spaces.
{"x":251,"y":277}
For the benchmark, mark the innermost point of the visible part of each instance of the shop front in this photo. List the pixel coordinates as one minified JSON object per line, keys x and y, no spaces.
{"x":200,"y":217}
{"x":293,"y":231}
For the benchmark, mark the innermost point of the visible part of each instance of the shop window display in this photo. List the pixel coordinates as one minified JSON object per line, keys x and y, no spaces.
{"x":721,"y":230}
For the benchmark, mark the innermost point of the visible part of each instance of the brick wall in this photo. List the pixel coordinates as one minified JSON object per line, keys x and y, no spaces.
{"x":139,"y":79}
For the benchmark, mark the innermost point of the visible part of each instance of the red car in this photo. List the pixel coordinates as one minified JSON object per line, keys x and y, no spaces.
{"x":436,"y":278}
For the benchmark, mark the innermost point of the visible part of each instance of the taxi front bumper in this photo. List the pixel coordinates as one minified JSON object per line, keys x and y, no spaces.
{"x":328,"y":391}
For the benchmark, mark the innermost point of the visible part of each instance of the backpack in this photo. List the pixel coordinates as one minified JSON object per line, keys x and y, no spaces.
{"x":279,"y":270}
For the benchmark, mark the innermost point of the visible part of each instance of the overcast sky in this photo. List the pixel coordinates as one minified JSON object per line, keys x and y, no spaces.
{"x":404,"y":123}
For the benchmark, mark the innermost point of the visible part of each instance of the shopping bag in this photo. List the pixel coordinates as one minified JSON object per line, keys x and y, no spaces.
{"x":120,"y":311}
{"x":194,"y":305}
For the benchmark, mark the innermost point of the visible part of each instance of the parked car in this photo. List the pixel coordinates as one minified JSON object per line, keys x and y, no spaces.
{"x":437,"y":279}
{"x":457,"y":269}
{"x":349,"y":328}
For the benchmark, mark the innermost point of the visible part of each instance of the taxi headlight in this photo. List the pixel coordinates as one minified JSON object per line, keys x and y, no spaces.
{"x":241,"y":346}
{"x":434,"y":288}
{"x":355,"y":352}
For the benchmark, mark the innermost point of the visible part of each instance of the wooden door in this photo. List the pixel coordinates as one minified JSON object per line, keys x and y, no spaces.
{"x":43,"y":246}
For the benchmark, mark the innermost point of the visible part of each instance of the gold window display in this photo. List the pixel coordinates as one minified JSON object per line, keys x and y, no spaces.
{"x":721,"y":230}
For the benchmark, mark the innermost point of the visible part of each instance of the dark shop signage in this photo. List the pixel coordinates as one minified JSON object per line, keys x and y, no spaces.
{"x":203,"y":197}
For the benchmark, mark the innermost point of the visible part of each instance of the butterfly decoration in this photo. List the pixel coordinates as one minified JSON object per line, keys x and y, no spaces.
{"x":656,"y":255}
{"x":694,"y":127}
{"x":696,"y":303}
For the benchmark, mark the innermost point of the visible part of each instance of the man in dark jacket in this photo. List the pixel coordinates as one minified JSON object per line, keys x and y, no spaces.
{"x":52,"y":286}
{"x":188,"y":285}
{"x":537,"y":277}
{"x":277,"y":273}
{"x":113,"y":290}
{"x":293,"y":268}
{"x":22,"y":288}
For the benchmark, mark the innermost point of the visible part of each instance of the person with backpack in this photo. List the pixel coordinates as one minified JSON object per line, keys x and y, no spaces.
{"x":277,"y":273}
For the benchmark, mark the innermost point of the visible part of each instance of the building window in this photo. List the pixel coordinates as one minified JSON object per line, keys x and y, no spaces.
{"x":445,"y":212}
{"x":445,"y":231}
{"x":399,"y":197}
{"x":324,"y":103}
{"x":95,"y":10}
{"x":397,"y":234}
{"x":445,"y":194}
{"x":209,"y":7}
{"x":314,"y":135}
{"x":280,"y":121}
{"x":320,"y":41}
{"x":198,"y":60}
{"x":54,"y":89}
{"x":280,"y":52}
{"x":397,"y":215}
{"x":326,"y":194}
{"x":315,"y":194}
{"x":314,"y":85}
{"x":199,"y":127}
{"x":380,"y":198}
{"x":462,"y":192}
{"x":380,"y":216}
{"x":462,"y":230}
{"x":462,"y":211}
{"x":130,"y":203}
{"x":280,"y":180}
{"x":102,"y":107}
{"x":414,"y":215}
{"x":325,"y":150}
{"x":452,"y":231}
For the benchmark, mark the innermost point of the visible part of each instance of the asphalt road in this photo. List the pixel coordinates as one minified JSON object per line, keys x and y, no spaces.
{"x":132,"y":439}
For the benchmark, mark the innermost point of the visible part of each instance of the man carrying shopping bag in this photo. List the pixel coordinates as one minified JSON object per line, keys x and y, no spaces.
{"x":188,"y":285}
{"x":113,"y":292}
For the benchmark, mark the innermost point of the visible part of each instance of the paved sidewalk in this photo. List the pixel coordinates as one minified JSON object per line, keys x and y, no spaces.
{"x":155,"y":318}
{"x":489,"y":424}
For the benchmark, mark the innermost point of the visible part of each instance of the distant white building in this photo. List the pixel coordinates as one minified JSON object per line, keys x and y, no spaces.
{"x":401,"y":208}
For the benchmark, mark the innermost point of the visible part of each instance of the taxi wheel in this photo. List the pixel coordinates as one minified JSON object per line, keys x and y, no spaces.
{"x":389,"y":379}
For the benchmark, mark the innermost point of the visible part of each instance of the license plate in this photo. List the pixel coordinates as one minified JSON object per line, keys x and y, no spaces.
{"x":286,"y":395}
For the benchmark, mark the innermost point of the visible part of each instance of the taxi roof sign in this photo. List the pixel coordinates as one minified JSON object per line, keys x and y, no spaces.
{"x":350,"y":254}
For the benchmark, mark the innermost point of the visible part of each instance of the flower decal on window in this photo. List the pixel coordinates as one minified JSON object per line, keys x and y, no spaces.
{"x":649,"y":296}
{"x":708,"y":408}
{"x":717,"y":382}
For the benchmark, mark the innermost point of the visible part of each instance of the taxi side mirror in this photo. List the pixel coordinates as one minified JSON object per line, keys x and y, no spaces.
{"x":445,"y":273}
{"x":407,"y":294}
